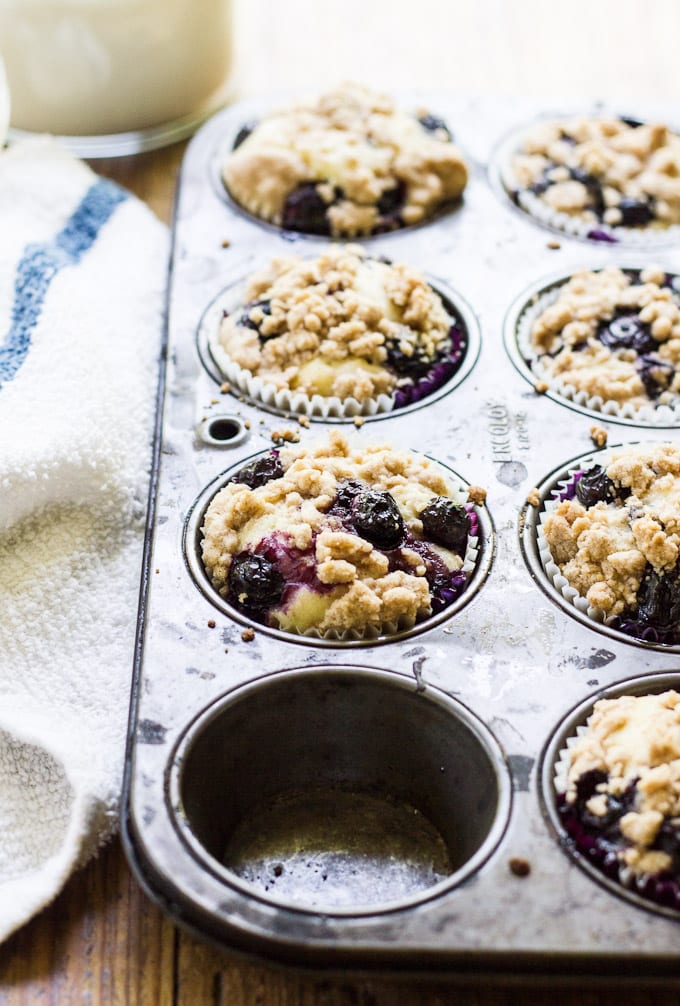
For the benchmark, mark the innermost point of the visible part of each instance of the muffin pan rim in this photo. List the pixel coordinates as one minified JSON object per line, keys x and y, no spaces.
{"x":652,"y":683}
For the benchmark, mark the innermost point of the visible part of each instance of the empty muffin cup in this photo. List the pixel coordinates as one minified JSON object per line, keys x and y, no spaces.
{"x":600,"y":818}
{"x":346,"y":790}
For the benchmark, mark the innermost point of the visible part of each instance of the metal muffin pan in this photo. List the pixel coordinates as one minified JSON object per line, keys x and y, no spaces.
{"x":514,"y":660}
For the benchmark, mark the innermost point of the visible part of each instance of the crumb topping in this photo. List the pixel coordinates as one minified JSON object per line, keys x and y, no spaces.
{"x":604,"y":549}
{"x":333,"y":324}
{"x":612,"y":335}
{"x":633,"y":740}
{"x":362,"y":157}
{"x":614,"y":171}
{"x":341,"y":580}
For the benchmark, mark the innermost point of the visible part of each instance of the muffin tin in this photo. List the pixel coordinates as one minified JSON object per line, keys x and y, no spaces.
{"x":251,"y":761}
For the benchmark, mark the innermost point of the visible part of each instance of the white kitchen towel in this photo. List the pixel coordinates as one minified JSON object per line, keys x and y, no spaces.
{"x":82,"y":277}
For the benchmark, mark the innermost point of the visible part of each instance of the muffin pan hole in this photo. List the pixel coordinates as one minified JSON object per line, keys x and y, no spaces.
{"x":222,"y":431}
{"x":340,"y":789}
{"x":594,"y":863}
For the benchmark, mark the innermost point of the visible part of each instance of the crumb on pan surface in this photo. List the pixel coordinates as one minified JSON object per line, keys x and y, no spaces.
{"x":623,"y":777}
{"x":616,"y":537}
{"x":345,"y":164}
{"x":334,"y":537}
{"x":613,"y":335}
{"x":615,"y":172}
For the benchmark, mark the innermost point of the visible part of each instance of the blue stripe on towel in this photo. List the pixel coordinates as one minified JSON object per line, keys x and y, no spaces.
{"x":40,"y":263}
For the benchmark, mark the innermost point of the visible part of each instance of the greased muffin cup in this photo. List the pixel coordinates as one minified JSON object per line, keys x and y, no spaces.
{"x":602,"y":178}
{"x":368,"y":564}
{"x":346,"y":164}
{"x":664,"y":411}
{"x":441,"y":358}
{"x":629,"y":596}
{"x":610,"y":785}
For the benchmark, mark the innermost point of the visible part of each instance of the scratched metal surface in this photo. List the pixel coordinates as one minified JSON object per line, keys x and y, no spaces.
{"x":514,"y":657}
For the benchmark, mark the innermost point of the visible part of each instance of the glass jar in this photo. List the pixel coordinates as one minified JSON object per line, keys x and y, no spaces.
{"x":118,"y":75}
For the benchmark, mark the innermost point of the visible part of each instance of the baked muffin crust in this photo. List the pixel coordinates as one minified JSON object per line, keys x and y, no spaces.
{"x":348,"y":163}
{"x":612,"y":334}
{"x":343,"y":528}
{"x":618,"y":544}
{"x":629,"y":756}
{"x":342,"y":324}
{"x":610,"y":171}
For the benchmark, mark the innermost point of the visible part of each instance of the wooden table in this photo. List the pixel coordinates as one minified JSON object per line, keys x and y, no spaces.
{"x":103,"y":943}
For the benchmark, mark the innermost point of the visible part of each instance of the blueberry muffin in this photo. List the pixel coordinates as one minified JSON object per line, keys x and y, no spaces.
{"x":343,"y":541}
{"x":613,"y":531}
{"x":342,"y":325}
{"x":348,"y":163}
{"x":609,"y":338}
{"x":618,"y":789}
{"x":598,"y":177}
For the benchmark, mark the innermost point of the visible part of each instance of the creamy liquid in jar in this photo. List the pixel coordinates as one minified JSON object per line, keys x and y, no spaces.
{"x":92,"y":67}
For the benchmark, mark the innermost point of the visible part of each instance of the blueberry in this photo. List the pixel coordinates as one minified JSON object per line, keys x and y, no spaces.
{"x":243,"y":134}
{"x":446,"y":523}
{"x":305,"y":211}
{"x":674,"y":283}
{"x":392,"y":200}
{"x":376,"y":517}
{"x":655,"y":374}
{"x":432,"y":123}
{"x":635,"y":212}
{"x":254,"y":582}
{"x":627,"y":332}
{"x":245,"y":321}
{"x":658,"y":599}
{"x":347,"y":493}
{"x":632,"y":123}
{"x":668,"y":841}
{"x":415,"y":366}
{"x":541,"y":186}
{"x":595,"y":486}
{"x":260,"y":471}
{"x":593,"y":186}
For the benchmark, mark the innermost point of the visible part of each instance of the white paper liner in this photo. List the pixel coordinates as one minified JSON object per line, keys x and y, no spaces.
{"x":642,"y":415}
{"x":459,"y":495}
{"x":284,"y":400}
{"x":574,"y":225}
